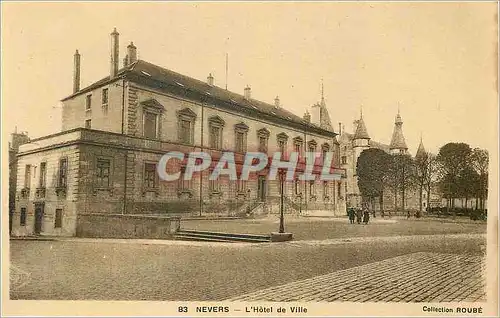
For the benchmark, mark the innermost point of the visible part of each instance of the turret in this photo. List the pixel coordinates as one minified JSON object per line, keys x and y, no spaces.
{"x":398,"y":143}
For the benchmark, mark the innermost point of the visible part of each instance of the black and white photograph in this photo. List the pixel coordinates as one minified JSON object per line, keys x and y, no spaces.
{"x":250,"y":158}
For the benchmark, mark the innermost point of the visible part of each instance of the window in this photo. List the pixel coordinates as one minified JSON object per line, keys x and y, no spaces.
{"x":58,"y":219}
{"x":88,"y":102}
{"x":215,"y":128}
{"x":214,"y":186}
{"x":312,"y":146}
{"x":240,"y":136}
{"x":325,"y":149}
{"x":263,"y":137}
{"x":312,"y":188}
{"x":263,"y":144}
{"x":185,"y":134}
{"x":103,"y":168}
{"x":215,"y":137}
{"x":150,"y":176}
{"x":240,"y":131}
{"x":339,"y":189}
{"x":240,"y":186}
{"x":43,"y":175}
{"x":27,"y":176}
{"x":325,"y":189}
{"x":282,"y":141}
{"x":150,"y":125}
{"x":23,"y":217}
{"x":344,"y":160}
{"x":183,"y":185}
{"x":104,"y":96}
{"x":298,"y":145}
{"x":297,"y":186}
{"x":88,"y":123}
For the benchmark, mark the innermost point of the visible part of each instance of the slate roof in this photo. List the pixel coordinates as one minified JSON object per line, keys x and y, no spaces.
{"x":361,"y":131}
{"x":372,"y":143}
{"x":421,"y":150}
{"x":398,"y":139}
{"x":160,"y":78}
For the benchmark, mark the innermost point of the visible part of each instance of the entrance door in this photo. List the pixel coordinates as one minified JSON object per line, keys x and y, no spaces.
{"x":261,"y":188}
{"x":38,"y":218}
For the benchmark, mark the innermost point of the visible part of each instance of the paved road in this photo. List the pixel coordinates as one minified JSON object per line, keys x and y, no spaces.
{"x":417,"y":277}
{"x":114,"y":270}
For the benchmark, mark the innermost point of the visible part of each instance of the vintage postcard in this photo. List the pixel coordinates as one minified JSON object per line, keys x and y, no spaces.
{"x":259,"y":159}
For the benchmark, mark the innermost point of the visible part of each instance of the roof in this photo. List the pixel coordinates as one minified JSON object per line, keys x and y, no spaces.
{"x":361,"y":131}
{"x":421,"y":150}
{"x":398,"y":140}
{"x":160,"y":78}
{"x":372,"y":143}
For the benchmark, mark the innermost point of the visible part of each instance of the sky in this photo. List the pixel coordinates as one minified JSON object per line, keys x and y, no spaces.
{"x":437,"y":61}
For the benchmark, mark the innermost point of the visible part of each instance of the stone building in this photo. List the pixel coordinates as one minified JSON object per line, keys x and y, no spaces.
{"x":18,"y":139}
{"x":115,"y":131}
{"x":351,"y":146}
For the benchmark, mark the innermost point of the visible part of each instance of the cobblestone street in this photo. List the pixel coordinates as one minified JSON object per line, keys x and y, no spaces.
{"x":417,"y":277}
{"x":175,"y":270}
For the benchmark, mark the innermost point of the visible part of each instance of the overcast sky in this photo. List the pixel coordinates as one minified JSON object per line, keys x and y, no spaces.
{"x":437,"y":60}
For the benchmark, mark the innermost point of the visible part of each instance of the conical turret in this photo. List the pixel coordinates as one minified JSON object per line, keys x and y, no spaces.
{"x":398,"y":143}
{"x":421,"y":150}
{"x":361,"y":131}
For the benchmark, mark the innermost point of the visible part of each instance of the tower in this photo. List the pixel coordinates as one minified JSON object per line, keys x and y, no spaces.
{"x":361,"y":139}
{"x":398,"y":143}
{"x":360,"y":142}
{"x":319,"y":113}
{"x":421,"y":153}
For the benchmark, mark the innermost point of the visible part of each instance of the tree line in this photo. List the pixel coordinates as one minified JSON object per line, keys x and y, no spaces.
{"x":457,"y":170}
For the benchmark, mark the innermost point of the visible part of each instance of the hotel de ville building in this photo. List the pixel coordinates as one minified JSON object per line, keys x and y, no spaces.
{"x":115,"y":131}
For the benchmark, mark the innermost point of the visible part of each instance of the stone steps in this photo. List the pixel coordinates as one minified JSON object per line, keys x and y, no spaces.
{"x":193,"y":235}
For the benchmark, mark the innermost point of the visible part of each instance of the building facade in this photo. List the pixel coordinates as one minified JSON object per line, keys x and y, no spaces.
{"x":115,"y":131}
{"x":351,"y":147}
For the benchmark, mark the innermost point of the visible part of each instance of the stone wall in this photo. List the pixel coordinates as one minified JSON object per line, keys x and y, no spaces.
{"x":126,"y":226}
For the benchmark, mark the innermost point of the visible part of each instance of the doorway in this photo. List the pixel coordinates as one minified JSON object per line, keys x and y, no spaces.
{"x":38,"y":218}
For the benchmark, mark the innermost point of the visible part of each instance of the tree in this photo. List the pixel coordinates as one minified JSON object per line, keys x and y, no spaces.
{"x":479,"y":161}
{"x":421,"y":171}
{"x":430,"y":177}
{"x":401,"y":177}
{"x":372,"y":170}
{"x":453,"y":158}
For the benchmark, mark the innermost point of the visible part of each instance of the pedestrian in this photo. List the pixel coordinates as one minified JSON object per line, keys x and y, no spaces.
{"x":351,"y":215}
{"x":366,"y":216}
{"x":359,"y":215}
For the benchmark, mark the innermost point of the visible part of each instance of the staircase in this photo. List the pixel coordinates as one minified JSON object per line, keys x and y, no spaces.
{"x":208,"y":236}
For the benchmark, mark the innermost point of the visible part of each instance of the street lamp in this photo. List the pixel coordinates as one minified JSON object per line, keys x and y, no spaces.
{"x":282,"y":174}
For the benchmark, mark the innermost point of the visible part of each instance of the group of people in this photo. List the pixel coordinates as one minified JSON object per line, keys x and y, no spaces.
{"x":358,"y":214}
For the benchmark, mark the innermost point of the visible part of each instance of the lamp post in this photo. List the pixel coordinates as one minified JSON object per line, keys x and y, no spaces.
{"x":282,"y":217}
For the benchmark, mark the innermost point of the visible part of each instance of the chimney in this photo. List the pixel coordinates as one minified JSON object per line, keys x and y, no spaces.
{"x":277,"y":102}
{"x":210,"y":79}
{"x":307,"y":116}
{"x":114,"y":53}
{"x":340,"y":128}
{"x":125,"y":61}
{"x":131,"y":53}
{"x":76,"y":72}
{"x":248,"y":93}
